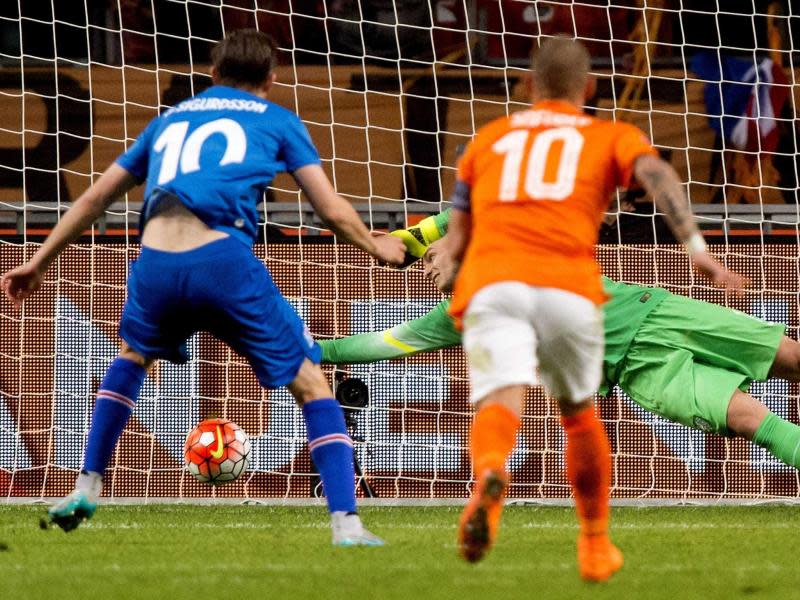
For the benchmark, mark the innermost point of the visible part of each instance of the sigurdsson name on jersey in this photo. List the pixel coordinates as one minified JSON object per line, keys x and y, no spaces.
{"x":546,"y":118}
{"x":196,"y":104}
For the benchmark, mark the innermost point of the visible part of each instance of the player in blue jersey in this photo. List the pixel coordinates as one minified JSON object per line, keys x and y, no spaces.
{"x":207,"y":162}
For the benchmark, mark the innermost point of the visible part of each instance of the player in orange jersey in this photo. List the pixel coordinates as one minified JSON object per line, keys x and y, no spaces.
{"x":529,"y":199}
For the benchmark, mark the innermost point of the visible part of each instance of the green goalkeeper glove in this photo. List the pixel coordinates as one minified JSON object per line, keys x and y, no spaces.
{"x":418,"y":237}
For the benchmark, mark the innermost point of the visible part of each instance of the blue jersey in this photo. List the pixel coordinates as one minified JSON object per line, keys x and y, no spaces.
{"x":217,"y":152}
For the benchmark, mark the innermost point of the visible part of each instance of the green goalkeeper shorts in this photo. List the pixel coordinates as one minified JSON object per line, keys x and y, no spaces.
{"x":689,"y":357}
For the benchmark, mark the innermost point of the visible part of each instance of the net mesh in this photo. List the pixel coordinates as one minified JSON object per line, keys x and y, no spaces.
{"x":390,"y":92}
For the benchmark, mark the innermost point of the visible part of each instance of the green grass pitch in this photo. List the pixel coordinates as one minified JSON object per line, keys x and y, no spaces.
{"x":243,"y":552}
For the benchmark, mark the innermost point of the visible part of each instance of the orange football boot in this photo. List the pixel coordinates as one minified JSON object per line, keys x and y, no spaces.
{"x":480,"y":520}
{"x":598,"y":558}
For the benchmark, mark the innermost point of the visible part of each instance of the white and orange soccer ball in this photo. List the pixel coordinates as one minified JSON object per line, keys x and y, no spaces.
{"x":217,"y":451}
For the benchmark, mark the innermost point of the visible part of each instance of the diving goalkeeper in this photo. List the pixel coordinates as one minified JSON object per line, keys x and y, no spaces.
{"x":688,"y":361}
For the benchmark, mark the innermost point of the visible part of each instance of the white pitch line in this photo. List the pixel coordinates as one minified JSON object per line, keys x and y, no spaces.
{"x":304,"y":567}
{"x":657,"y":526}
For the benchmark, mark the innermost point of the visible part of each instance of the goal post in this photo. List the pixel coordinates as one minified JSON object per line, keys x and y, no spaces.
{"x":390,"y":93}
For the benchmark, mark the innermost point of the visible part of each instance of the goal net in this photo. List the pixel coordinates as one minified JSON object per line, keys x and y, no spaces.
{"x":390,"y":93}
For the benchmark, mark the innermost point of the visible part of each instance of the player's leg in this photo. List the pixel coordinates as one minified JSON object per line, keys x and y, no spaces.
{"x":492,"y":438}
{"x":666,"y":381}
{"x":331,"y":450}
{"x":114,"y":404}
{"x":745,"y":414}
{"x":588,"y":460}
{"x":570,"y":355}
{"x":700,"y":380}
{"x":787,"y":360}
{"x":256,"y":321}
{"x":752,"y":420}
{"x":149,"y":330}
{"x":500,"y":347}
{"x":765,"y":353}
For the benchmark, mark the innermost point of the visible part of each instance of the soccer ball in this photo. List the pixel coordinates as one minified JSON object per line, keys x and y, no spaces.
{"x":217,"y":451}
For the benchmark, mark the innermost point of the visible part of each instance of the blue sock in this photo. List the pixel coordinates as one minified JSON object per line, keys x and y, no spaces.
{"x":332,"y":451}
{"x":115,"y":401}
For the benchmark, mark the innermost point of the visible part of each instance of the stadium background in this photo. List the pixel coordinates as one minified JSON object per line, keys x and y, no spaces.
{"x":388,"y":118}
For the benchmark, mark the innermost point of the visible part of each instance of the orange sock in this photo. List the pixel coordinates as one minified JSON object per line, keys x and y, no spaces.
{"x":588,"y":469}
{"x":494,"y":433}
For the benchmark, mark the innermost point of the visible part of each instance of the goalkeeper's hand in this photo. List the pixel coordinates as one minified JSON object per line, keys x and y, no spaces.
{"x":718,"y":273}
{"x":418,"y":238}
{"x":415,"y":246}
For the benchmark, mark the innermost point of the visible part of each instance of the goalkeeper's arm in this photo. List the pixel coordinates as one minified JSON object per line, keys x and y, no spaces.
{"x":432,"y":331}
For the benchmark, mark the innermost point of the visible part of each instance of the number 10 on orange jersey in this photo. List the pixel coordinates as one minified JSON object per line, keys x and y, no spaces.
{"x":551,"y":168}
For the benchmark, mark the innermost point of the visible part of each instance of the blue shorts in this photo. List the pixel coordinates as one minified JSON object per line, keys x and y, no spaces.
{"x":221,"y":288}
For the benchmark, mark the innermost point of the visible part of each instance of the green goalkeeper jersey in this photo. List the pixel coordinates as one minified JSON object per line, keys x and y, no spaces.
{"x":627,"y":307}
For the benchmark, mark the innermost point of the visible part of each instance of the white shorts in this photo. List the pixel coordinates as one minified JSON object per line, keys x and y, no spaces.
{"x":510,"y":328}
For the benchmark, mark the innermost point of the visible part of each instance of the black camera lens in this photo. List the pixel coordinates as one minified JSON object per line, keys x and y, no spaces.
{"x":352,"y":393}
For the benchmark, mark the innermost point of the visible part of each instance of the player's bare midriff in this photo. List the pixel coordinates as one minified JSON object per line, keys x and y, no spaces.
{"x":177,"y":229}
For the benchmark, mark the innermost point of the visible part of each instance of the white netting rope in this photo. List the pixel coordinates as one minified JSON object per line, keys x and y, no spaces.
{"x":388,"y":122}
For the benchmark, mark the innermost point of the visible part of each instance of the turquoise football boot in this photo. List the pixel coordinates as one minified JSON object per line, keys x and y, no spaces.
{"x":72,"y":510}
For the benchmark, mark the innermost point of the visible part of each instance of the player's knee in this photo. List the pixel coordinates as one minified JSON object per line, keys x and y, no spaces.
{"x":570,"y":407}
{"x":787,"y":360}
{"x":130,"y":354}
{"x":309,"y":384}
{"x":792,"y":360}
{"x":745,"y":414}
{"x":510,"y":396}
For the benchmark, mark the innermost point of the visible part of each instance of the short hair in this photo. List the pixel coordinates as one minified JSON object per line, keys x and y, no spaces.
{"x":560,"y":67}
{"x":246,"y":57}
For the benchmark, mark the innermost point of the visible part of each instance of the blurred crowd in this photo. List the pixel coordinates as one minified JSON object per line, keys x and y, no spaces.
{"x":182,"y":31}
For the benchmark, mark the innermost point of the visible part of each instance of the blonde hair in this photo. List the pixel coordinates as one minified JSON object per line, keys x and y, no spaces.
{"x":560,"y":67}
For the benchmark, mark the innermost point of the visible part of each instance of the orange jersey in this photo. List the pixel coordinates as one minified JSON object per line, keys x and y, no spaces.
{"x":537,"y":184}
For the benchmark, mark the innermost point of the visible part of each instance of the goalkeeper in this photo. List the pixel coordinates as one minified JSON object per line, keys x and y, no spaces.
{"x":685,"y":360}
